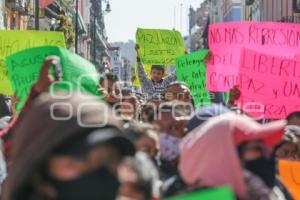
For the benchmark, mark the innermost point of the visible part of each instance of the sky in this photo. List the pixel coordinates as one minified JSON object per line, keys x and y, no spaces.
{"x":128,"y":15}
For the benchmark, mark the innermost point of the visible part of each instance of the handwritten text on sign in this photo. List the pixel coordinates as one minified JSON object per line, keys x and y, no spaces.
{"x":227,"y":39}
{"x":159,"y":46}
{"x":14,"y":41}
{"x":24,"y":69}
{"x":270,"y":81}
{"x":191,"y":70}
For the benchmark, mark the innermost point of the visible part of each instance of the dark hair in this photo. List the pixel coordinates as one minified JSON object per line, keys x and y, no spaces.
{"x":149,"y":111}
{"x":158,"y":67}
{"x":147,"y":174}
{"x":135,"y":130}
{"x":175,"y":83}
{"x":109,"y":76}
{"x":293,"y":115}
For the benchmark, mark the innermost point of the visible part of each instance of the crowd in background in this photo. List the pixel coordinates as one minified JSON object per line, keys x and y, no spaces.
{"x":133,"y":145}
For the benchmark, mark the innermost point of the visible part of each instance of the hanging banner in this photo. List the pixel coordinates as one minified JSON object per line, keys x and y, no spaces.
{"x":268,"y":83}
{"x":226,"y":41}
{"x":14,"y":41}
{"x":192,"y":70}
{"x":160,"y":47}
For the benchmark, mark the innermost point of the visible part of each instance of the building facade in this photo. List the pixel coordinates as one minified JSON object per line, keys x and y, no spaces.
{"x":253,"y":10}
{"x":198,"y":20}
{"x":17,"y":14}
{"x":232,"y":10}
{"x":281,"y":10}
{"x":116,"y":60}
{"x":216,"y":11}
{"x":2,"y":12}
{"x":99,"y":44}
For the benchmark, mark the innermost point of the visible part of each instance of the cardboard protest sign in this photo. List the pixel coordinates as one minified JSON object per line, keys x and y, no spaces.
{"x":24,"y":69}
{"x":192,"y":70}
{"x":269,"y":85}
{"x":290,"y":176}
{"x":227,"y":39}
{"x":160,"y":47}
{"x":14,"y":41}
{"x":224,"y":193}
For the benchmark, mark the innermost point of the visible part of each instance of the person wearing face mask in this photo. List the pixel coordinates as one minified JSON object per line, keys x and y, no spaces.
{"x":209,"y":158}
{"x":172,"y":120}
{"x":67,"y":154}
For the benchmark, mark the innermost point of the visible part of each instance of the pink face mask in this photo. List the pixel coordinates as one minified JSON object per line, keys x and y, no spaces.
{"x":169,"y":146}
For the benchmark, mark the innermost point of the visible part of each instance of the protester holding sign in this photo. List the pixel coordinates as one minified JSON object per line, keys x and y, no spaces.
{"x":156,"y":85}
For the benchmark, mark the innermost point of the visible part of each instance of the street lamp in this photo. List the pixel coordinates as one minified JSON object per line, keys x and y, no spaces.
{"x":108,"y":9}
{"x":37,"y":14}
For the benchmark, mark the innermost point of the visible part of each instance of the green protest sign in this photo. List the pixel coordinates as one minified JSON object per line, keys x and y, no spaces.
{"x":24,"y":68}
{"x":14,"y":41}
{"x":223,"y":193}
{"x":192,"y":70}
{"x":160,"y":47}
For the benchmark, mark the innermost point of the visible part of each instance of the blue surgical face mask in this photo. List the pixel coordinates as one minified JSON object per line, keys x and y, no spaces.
{"x":169,"y":146}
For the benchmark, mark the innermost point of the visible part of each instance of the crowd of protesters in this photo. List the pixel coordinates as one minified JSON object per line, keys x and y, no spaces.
{"x":139,"y":146}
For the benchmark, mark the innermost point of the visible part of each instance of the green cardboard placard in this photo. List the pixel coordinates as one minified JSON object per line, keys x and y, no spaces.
{"x":191,"y":69}
{"x":222,"y":193}
{"x":160,"y":47}
{"x":24,"y":69}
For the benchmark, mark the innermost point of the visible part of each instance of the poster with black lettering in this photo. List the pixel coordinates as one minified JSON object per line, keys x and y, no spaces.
{"x":24,"y":68}
{"x":12,"y":41}
{"x":270,"y":86}
{"x":160,"y":47}
{"x":226,"y":41}
{"x":192,"y":70}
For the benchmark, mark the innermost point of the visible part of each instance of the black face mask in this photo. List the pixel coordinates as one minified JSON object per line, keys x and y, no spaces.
{"x":96,"y":185}
{"x":263,"y":168}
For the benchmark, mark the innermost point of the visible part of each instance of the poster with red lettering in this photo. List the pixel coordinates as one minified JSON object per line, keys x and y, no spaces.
{"x":269,"y":85}
{"x":226,"y":41}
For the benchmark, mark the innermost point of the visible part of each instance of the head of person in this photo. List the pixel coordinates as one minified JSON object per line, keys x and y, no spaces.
{"x":294,"y":118}
{"x":75,"y":154}
{"x":172,"y":119}
{"x":129,"y":107}
{"x":178,"y":91}
{"x":288,"y":149}
{"x":110,"y":88}
{"x":157,"y":73}
{"x":149,"y":111}
{"x":209,"y":156}
{"x":139,"y":178}
{"x":202,"y":114}
{"x":144,"y":137}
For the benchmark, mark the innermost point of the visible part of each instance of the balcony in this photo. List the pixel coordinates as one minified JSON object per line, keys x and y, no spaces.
{"x":16,"y":5}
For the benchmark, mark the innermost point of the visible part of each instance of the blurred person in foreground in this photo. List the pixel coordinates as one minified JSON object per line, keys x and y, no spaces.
{"x":145,"y":138}
{"x":71,"y":153}
{"x":139,"y":179}
{"x":209,"y":156}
